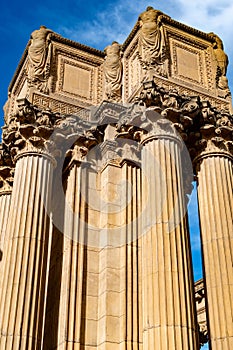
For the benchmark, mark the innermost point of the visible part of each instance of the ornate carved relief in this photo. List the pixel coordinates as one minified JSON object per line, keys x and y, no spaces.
{"x":83,"y":142}
{"x":188,"y":63}
{"x":32,"y":130}
{"x":183,"y":91}
{"x":134,"y":73}
{"x":79,"y":65}
{"x":113,"y":71}
{"x":58,"y":106}
{"x":200,"y":299}
{"x":74,"y":61}
{"x":186,"y":81}
{"x":39,"y":58}
{"x":76,"y":79}
{"x":151,"y":44}
{"x":6,"y":171}
{"x":204,"y":128}
{"x":29,"y":130}
{"x":221,"y":63}
{"x":132,"y":68}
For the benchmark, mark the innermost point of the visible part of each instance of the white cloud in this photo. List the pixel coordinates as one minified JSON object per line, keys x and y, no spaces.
{"x":114,"y":23}
{"x":209,"y":15}
{"x":117,"y":20}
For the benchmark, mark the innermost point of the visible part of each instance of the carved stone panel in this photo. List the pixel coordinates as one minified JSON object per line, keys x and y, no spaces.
{"x":135,"y":74}
{"x":76,"y":79}
{"x":188,"y":64}
{"x":59,"y":106}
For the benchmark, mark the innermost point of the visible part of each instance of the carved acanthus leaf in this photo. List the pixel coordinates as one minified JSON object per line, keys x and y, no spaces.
{"x":29,"y":129}
{"x":6,"y":171}
{"x":202,"y":126}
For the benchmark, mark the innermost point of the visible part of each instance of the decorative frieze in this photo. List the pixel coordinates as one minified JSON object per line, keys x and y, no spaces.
{"x":56,"y":105}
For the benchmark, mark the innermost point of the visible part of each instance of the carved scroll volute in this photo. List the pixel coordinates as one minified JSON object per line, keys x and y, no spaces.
{"x":39,"y":57}
{"x":152,"y":46}
{"x":113,"y":72}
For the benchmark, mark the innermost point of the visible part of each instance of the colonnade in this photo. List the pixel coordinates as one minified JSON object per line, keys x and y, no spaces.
{"x":126,"y":277}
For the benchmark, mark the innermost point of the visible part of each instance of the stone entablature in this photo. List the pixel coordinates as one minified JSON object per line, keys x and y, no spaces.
{"x":191,"y":61}
{"x":72,"y":76}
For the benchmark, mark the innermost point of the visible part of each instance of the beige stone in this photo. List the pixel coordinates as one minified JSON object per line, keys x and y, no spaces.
{"x":215,"y":200}
{"x":93,"y":193}
{"x":169,"y":317}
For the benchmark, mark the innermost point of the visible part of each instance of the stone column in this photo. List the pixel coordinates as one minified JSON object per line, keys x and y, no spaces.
{"x":130,"y":257}
{"x":119,"y":270}
{"x":167,"y":282}
{"x":28,"y":228}
{"x":215,"y":197}
{"x":119,"y":311}
{"x":24,"y":287}
{"x":5,"y":198}
{"x":78,"y":262}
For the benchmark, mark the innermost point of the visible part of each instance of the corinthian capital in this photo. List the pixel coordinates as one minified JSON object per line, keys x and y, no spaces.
{"x":28,"y":130}
{"x":215,"y":134}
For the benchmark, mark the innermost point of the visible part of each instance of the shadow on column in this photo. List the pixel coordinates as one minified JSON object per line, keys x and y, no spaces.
{"x":55,"y":268}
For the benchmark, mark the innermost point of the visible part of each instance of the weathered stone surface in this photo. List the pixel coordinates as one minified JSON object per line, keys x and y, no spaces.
{"x":94,"y":237}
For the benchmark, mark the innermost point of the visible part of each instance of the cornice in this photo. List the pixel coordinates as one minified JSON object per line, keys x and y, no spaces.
{"x":188,"y":29}
{"x":58,"y":38}
{"x":130,"y":36}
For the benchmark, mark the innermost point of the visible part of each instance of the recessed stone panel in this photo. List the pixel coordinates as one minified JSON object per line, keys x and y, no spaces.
{"x":188,"y":64}
{"x":77,"y":80}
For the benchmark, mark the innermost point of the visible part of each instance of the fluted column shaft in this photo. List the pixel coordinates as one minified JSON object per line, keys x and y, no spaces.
{"x":119,"y":310}
{"x":168,"y":300}
{"x":78,"y":298}
{"x":5,"y":198}
{"x":215,"y":196}
{"x":25,"y":278}
{"x":132,"y":283}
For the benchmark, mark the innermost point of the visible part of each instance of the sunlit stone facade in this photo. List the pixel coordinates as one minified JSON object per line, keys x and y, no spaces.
{"x":98,"y":155}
